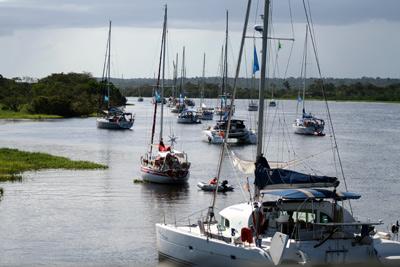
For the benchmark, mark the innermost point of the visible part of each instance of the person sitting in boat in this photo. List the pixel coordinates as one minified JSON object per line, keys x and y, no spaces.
{"x":162,"y":147}
{"x":261,"y":160}
{"x":213,"y":181}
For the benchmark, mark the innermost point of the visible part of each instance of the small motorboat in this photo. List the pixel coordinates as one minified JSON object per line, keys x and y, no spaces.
{"x":209,"y":187}
{"x":253,"y":106}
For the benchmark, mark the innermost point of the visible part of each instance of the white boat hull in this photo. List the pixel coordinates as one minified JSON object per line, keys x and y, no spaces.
{"x":196,"y":249}
{"x":106,"y":124}
{"x":187,"y":245}
{"x":153,"y":176}
{"x":299,"y":129}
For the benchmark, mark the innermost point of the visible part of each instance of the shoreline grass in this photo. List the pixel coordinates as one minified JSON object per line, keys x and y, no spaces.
{"x":12,"y":115}
{"x":14,"y":162}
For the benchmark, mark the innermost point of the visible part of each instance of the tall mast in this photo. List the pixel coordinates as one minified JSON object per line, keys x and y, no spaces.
{"x":203,"y":80}
{"x":211,"y":209}
{"x":163,"y":72}
{"x":153,"y":129}
{"x":226,"y":52}
{"x":305,"y":68}
{"x":183,"y":72}
{"x":175,"y":75}
{"x":260,"y":132}
{"x":109,"y":66}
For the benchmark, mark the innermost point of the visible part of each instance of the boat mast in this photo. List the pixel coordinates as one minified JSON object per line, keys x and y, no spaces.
{"x":163,"y":72}
{"x":158,"y":83}
{"x":203,"y":80}
{"x":260,"y":132}
{"x":183,"y":72}
{"x":224,"y":145}
{"x":175,"y":76}
{"x":305,"y":69}
{"x":225,"y":67}
{"x":109,"y":66}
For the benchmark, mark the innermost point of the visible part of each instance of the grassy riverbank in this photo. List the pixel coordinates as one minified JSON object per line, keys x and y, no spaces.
{"x":12,"y":115}
{"x":13,"y":162}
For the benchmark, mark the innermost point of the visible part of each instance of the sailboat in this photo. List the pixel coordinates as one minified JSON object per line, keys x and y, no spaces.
{"x":307,"y":124}
{"x":297,"y":225}
{"x":163,"y":164}
{"x":237,"y":133}
{"x":225,"y":107}
{"x":206,"y":113}
{"x":114,"y":117}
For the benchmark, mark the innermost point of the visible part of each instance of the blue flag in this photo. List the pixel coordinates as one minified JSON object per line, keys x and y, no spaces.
{"x":157,"y":96}
{"x":180,"y":99}
{"x":106,"y":98}
{"x":256,"y":66}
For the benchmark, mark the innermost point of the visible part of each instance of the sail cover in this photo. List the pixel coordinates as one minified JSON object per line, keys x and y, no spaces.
{"x":302,"y":194}
{"x":280,"y":178}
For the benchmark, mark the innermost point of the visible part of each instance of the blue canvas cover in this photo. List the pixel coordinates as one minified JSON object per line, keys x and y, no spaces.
{"x":302,"y":194}
{"x":281,"y":178}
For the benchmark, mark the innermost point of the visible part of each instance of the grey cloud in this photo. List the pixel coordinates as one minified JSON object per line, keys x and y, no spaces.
{"x":28,"y":14}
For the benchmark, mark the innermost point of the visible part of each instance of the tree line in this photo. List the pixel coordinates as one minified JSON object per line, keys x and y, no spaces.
{"x":315,"y":90}
{"x":67,"y":95}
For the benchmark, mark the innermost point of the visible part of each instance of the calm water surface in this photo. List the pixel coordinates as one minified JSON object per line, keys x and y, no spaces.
{"x":102,"y":218}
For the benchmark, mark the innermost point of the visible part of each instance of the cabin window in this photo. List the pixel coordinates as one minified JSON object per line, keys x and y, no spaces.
{"x":304,"y":216}
{"x":324,"y":218}
{"x":225,"y":222}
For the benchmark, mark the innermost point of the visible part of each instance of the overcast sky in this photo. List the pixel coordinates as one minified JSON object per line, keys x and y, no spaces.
{"x":38,"y":37}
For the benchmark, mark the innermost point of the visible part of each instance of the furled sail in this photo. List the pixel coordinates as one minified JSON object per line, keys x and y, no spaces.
{"x":279,"y":178}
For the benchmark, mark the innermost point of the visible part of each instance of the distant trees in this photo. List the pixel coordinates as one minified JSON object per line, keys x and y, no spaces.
{"x":355,"y":91}
{"x":72,"y":94}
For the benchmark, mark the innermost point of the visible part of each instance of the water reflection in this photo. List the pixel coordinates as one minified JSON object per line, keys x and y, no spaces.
{"x":166,"y":192}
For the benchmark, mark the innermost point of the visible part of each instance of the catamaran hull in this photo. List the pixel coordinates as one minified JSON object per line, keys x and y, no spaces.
{"x":190,"y":247}
{"x":106,"y":124}
{"x":153,"y":176}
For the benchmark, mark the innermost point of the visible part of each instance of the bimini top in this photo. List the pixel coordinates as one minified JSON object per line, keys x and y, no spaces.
{"x":303,"y":194}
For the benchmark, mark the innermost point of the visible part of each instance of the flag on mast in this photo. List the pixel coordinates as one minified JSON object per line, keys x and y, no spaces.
{"x":256,"y":66}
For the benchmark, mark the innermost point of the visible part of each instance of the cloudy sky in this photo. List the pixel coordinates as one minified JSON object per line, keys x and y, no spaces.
{"x":355,"y":38}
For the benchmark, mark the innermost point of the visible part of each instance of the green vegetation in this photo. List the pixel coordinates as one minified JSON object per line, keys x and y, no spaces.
{"x":13,"y":162}
{"x":288,"y":89}
{"x":63,"y":95}
{"x":7,"y":114}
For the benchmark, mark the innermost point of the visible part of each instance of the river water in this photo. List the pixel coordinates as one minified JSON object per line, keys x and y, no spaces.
{"x":102,"y":218}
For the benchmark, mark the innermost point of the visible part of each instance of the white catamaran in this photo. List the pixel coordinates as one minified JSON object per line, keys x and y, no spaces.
{"x":301,"y":223}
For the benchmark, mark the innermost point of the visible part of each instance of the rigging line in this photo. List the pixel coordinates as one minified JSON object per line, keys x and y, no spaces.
{"x":292,"y":43}
{"x":232,"y":103}
{"x":326,"y":101}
